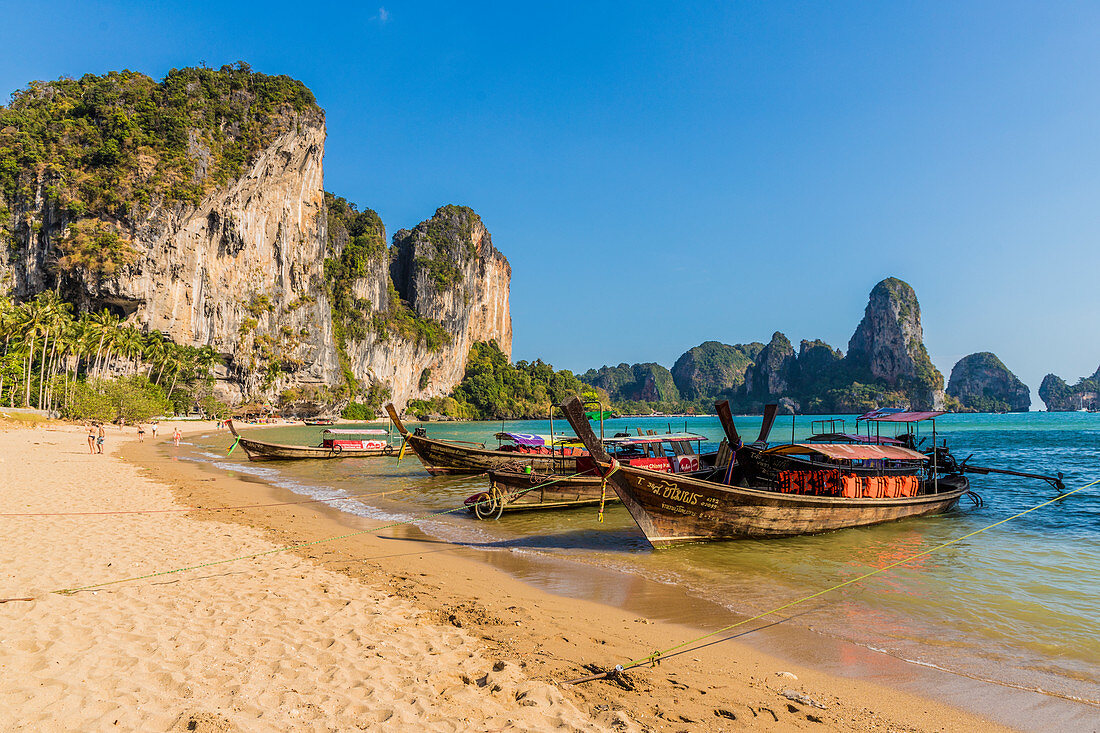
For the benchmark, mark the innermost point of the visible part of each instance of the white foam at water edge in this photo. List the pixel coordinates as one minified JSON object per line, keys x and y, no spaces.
{"x":334,"y":498}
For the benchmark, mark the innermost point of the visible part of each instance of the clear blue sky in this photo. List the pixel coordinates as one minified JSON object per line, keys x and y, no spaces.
{"x":692,"y":171}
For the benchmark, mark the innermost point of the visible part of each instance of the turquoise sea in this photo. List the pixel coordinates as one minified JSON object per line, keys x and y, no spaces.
{"x":1018,"y":604}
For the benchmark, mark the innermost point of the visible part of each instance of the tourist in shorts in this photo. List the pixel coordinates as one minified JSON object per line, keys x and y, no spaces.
{"x":100,"y":434}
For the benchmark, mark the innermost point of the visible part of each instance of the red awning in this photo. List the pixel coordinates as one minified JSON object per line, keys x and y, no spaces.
{"x":849,"y":452}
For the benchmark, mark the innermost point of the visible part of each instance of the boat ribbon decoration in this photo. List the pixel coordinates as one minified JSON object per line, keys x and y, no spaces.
{"x":603,"y":486}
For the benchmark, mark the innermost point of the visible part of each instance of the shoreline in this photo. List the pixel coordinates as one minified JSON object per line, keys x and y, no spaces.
{"x":665,"y":612}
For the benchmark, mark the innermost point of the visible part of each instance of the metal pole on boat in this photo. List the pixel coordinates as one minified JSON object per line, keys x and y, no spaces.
{"x":935,"y":459}
{"x":552,"y":434}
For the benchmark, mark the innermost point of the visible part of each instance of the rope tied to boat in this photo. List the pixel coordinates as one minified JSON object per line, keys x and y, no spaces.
{"x":654,"y":658}
{"x":603,"y":486}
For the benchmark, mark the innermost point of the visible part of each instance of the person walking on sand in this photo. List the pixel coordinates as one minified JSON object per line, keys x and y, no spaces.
{"x":141,"y":433}
{"x":99,"y":436}
{"x":91,"y":437}
{"x":153,"y":428}
{"x":176,"y":437}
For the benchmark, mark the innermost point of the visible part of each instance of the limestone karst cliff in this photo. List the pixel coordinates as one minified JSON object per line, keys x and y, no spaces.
{"x":1061,"y":397}
{"x":982,"y":383}
{"x":887,"y":364}
{"x":442,"y":287}
{"x":889,"y":344}
{"x":713,"y":368}
{"x":648,"y":382}
{"x":195,"y":206}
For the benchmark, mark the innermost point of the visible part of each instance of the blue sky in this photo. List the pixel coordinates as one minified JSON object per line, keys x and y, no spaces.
{"x":664,"y":174}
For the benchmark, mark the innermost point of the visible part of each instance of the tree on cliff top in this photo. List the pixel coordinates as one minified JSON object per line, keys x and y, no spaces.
{"x":102,"y":145}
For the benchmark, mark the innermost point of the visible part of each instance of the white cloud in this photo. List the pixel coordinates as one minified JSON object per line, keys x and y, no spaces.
{"x":383,"y":15}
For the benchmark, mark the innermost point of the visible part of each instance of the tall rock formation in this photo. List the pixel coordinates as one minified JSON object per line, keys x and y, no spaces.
{"x":229,"y":255}
{"x":888,"y":345}
{"x":982,"y":383}
{"x":648,"y":382}
{"x":195,"y":206}
{"x":713,"y":368}
{"x":442,"y":287}
{"x":774,"y":372}
{"x":1061,"y":397}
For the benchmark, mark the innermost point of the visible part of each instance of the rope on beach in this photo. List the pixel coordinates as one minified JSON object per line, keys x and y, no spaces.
{"x":202,"y":508}
{"x":212,"y":563}
{"x":687,"y":646}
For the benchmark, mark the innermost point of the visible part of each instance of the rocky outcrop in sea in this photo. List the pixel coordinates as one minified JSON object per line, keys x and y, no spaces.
{"x":1061,"y":397}
{"x":982,"y":383}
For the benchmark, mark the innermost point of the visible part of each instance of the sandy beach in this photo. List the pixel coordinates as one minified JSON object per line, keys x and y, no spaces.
{"x":386,"y":629}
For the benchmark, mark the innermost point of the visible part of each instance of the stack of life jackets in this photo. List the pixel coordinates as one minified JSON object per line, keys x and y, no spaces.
{"x":887,"y":487}
{"x":848,"y":486}
{"x":816,"y":483}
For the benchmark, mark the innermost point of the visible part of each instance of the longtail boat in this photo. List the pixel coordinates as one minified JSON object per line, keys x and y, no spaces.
{"x":319,"y":421}
{"x":349,"y":443}
{"x":518,"y":487}
{"x":545,"y":454}
{"x":682,"y":508}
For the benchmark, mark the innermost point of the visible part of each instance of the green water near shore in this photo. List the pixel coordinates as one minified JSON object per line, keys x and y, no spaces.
{"x":1019,"y":603}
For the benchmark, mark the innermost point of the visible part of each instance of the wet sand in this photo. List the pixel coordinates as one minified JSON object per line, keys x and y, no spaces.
{"x":457,"y":611}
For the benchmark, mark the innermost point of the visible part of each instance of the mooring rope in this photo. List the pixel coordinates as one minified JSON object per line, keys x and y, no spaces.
{"x":277,"y":550}
{"x":682,"y":647}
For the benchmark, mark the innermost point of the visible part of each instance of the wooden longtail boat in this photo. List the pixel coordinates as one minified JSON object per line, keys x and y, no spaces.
{"x":464,"y":457}
{"x":513,"y":487}
{"x":319,"y":421}
{"x":334,"y":444}
{"x":673,"y":509}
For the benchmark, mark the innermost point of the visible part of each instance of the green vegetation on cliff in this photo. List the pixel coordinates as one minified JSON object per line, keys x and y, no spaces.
{"x":1061,"y":397}
{"x":103,"y":144}
{"x":357,"y":240}
{"x":713,"y":368}
{"x":493,"y":388}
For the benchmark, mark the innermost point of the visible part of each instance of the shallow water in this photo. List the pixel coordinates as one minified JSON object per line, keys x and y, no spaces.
{"x":1019,"y":603}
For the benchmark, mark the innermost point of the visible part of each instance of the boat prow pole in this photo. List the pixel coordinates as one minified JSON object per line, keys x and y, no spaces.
{"x":574,"y":413}
{"x":395,"y":419}
{"x":233,"y":429}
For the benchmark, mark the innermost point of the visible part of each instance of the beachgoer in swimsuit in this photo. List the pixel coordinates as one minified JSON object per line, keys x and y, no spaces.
{"x":91,"y":438}
{"x":176,"y":437}
{"x":141,"y":433}
{"x":99,"y":436}
{"x":153,"y":427}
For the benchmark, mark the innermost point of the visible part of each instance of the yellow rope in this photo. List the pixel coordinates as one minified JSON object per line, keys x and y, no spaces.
{"x":603,"y":487}
{"x":651,"y":658}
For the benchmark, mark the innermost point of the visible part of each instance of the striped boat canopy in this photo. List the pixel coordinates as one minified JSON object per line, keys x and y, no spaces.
{"x":849,"y":452}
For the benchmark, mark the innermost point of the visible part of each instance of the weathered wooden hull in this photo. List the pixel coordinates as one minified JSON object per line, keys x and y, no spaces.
{"x":674,"y":509}
{"x":447,"y":457}
{"x":552,"y":492}
{"x":258,"y":450}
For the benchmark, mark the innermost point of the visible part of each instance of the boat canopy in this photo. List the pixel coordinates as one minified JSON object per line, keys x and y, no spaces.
{"x":364,"y":431}
{"x":897,"y":414}
{"x":536,"y":440}
{"x":851,"y":452}
{"x":649,"y":439}
{"x":851,"y":438}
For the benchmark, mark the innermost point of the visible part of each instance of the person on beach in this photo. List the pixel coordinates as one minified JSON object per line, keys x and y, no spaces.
{"x":176,"y":437}
{"x":91,"y":437}
{"x":141,"y":433}
{"x":101,"y":433}
{"x":153,"y":428}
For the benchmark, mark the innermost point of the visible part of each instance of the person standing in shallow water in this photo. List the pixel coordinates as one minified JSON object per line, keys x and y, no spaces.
{"x":101,"y":433}
{"x":91,"y":437}
{"x":176,"y":437}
